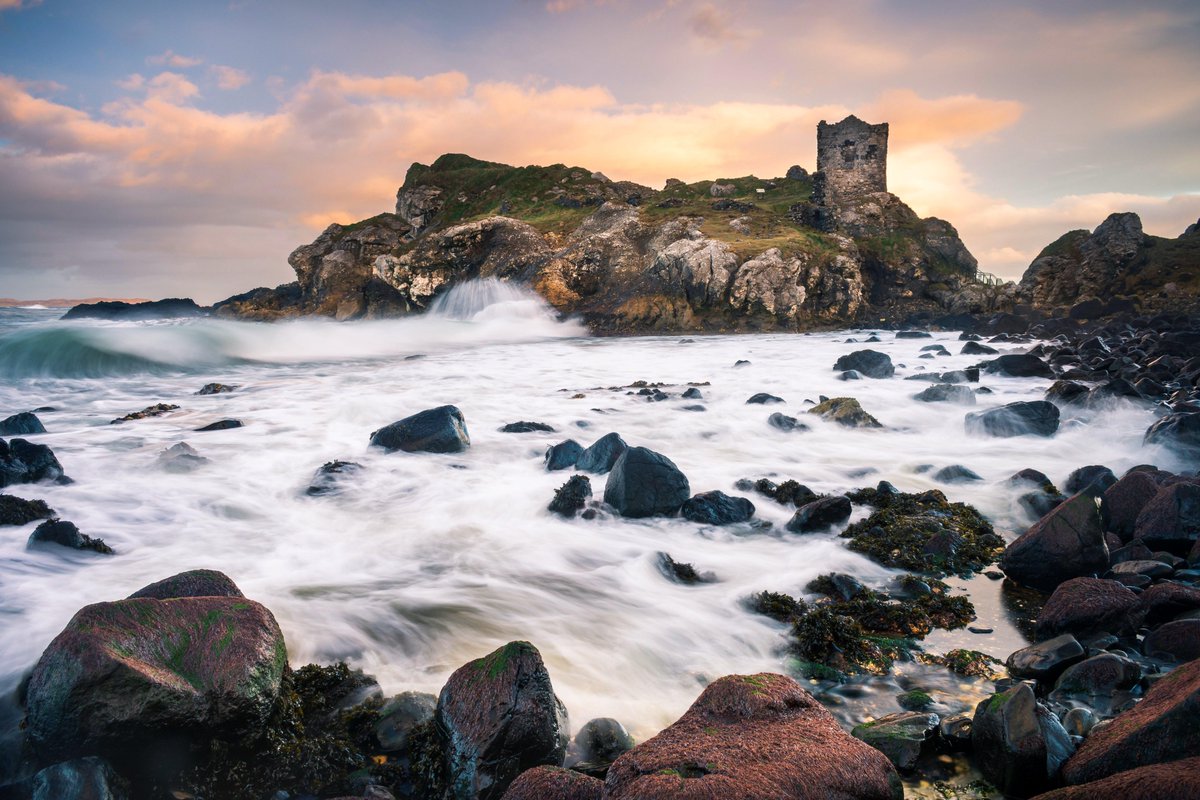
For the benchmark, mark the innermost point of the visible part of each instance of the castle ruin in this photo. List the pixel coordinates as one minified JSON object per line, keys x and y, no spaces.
{"x":852,"y":158}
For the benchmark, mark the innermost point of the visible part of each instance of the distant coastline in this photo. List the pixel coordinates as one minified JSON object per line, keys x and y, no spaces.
{"x":61,"y":302}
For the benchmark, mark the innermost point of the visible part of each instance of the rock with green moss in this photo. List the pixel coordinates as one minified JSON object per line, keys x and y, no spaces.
{"x":923,"y":532}
{"x":776,"y":605}
{"x":140,"y":672}
{"x":902,"y":737}
{"x":972,"y":664}
{"x":1019,"y":744}
{"x":845,"y":411}
{"x":496,"y":717}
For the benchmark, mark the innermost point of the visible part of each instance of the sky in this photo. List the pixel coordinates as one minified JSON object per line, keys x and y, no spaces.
{"x":157,"y":149}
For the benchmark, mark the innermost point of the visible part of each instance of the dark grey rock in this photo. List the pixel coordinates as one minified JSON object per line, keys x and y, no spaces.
{"x":437,"y":430}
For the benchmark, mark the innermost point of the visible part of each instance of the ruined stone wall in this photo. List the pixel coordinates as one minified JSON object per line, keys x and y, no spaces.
{"x":852,"y":155}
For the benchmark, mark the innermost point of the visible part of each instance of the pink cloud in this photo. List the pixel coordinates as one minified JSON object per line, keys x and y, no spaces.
{"x":229,"y":78}
{"x":170,"y":58}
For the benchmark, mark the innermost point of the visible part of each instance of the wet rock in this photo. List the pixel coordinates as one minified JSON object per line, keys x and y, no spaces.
{"x":563,"y":455}
{"x":1164,"y":602}
{"x":680,"y":572}
{"x":1045,"y":661}
{"x":603,"y":740}
{"x":692,"y":393}
{"x":972,"y":663}
{"x":778,"y":606}
{"x":753,"y":736}
{"x":644,"y":483}
{"x":956,"y":473}
{"x":329,"y":477}
{"x":181,"y":458}
{"x":871,"y":363}
{"x":1019,"y":365}
{"x":1178,"y":431}
{"x":437,"y":430}
{"x":785,"y":423}
{"x":1019,"y":745}
{"x":400,"y":716}
{"x":1066,"y":543}
{"x":820,"y":514}
{"x":65,"y":534}
{"x":1161,"y":728}
{"x":902,"y":737}
{"x":1144,"y":568}
{"x":572,"y":496}
{"x":1174,"y":641}
{"x":913,"y":335}
{"x":156,"y":410}
{"x":977,"y":349}
{"x":19,"y":511}
{"x":1174,"y":780}
{"x":193,"y":583}
{"x":1066,"y":393}
{"x":1098,"y":477}
{"x":21,"y":424}
{"x":602,"y":455}
{"x":221,"y":425}
{"x":496,"y":717}
{"x":845,"y":411}
{"x":26,"y":462}
{"x":215,"y":388}
{"x":1088,"y":606}
{"x":1039,"y":504}
{"x":1124,"y":500}
{"x":837,"y":585}
{"x":955,"y":732}
{"x":1171,"y":519}
{"x":527,"y":427}
{"x":717,"y":508}
{"x":1036,"y":418}
{"x":146,"y":672}
{"x":947,"y":393}
{"x":762,"y":398}
{"x":554,"y":783}
{"x":1102,"y":674}
{"x":82,"y":779}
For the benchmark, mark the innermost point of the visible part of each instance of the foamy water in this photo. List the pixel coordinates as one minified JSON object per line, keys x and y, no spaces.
{"x":427,"y":561}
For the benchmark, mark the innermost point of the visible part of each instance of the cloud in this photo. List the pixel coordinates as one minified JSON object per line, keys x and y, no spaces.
{"x":17,"y":5}
{"x":229,"y":78}
{"x":715,"y":27}
{"x":170,"y":58}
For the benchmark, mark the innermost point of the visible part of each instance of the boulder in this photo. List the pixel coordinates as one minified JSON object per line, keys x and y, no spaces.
{"x":1046,"y":660}
{"x":1179,"y":431}
{"x":1087,"y":607}
{"x":21,"y":424}
{"x":563,"y":455}
{"x":820,"y":514}
{"x":644,"y":483}
{"x":602,"y":455}
{"x":1019,"y":744}
{"x":902,"y":737}
{"x":572,"y":496}
{"x":1174,"y":780}
{"x":1019,"y":365}
{"x":1123,"y":502}
{"x":947,"y":393}
{"x":496,"y":717}
{"x":717,"y":508}
{"x":1097,"y":477}
{"x":603,"y":740}
{"x":1165,"y":601}
{"x":193,"y":583}
{"x":26,"y":462}
{"x":65,"y":534}
{"x":1161,"y":728}
{"x":762,"y":398}
{"x":181,"y":458}
{"x":437,"y":430}
{"x":1066,"y":393}
{"x":977,"y":349}
{"x":1066,"y":543}
{"x":19,"y":511}
{"x":88,"y":778}
{"x":845,"y":411}
{"x":554,"y":783}
{"x":871,"y":363}
{"x":753,"y":736}
{"x":146,"y":673}
{"x":1036,"y":418}
{"x":1174,"y":641}
{"x":1101,"y":674}
{"x":1171,"y":519}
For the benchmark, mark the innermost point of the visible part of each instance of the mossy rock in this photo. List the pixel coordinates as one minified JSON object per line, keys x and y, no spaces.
{"x":845,"y":411}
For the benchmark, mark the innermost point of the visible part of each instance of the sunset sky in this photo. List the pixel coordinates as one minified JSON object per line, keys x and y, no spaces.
{"x":159,"y":149}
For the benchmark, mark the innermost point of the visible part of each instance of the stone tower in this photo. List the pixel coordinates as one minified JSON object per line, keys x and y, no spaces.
{"x":852,"y":157}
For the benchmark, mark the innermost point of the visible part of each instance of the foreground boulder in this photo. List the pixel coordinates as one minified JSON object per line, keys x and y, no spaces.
{"x":1036,"y":418}
{"x":554,"y":783}
{"x":1159,"y":729}
{"x":871,"y":363}
{"x":437,"y":430}
{"x":644,"y":483}
{"x":26,"y":462}
{"x":753,"y":736}
{"x":497,"y":717}
{"x":139,"y":674}
{"x":1019,"y":744}
{"x":1066,"y":543}
{"x":1174,"y":780}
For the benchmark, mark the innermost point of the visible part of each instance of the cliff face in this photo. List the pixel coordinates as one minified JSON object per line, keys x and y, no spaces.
{"x":741,"y":254}
{"x":1116,"y":265}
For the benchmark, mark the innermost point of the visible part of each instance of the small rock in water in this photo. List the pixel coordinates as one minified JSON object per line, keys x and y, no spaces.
{"x":785,"y":423}
{"x":572,"y":496}
{"x":850,"y":375}
{"x":844,"y":411}
{"x":680,"y":572}
{"x":717,"y":508}
{"x":956,"y":473}
{"x":1036,"y":418}
{"x":902,"y":737}
{"x":644,"y":483}
{"x":21,"y":424}
{"x":692,"y":393}
{"x":741,"y":362}
{"x":762,"y":398}
{"x":526,"y":427}
{"x":973,"y":348}
{"x":563,"y":455}
{"x":22,"y":461}
{"x":871,"y":363}
{"x":216,"y":388}
{"x":221,"y":425}
{"x":820,"y":514}
{"x":181,"y":457}
{"x":980,"y":629}
{"x":436,"y":430}
{"x":66,"y":534}
{"x":156,"y":410}
{"x":602,"y":455}
{"x":327,"y":478}
{"x":19,"y":511}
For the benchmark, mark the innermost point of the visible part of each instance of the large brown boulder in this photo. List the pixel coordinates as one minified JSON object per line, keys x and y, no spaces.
{"x":554,"y":783}
{"x":1124,"y":501}
{"x":1175,"y":780}
{"x":496,"y":717}
{"x":754,"y":737}
{"x":1165,"y":601}
{"x":1171,"y":520}
{"x":146,"y":672}
{"x":1088,"y":606}
{"x":1160,"y":728}
{"x":1066,"y":543}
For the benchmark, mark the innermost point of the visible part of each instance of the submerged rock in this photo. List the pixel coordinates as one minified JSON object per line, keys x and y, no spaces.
{"x":644,"y":483}
{"x":329,"y":476}
{"x":181,"y":457}
{"x":902,"y":737}
{"x":215,"y":388}
{"x":1020,"y":365}
{"x":753,"y":736}
{"x":680,"y":572}
{"x":1177,"y":431}
{"x":65,"y":534}
{"x":221,"y":425}
{"x":717,"y":508}
{"x":437,"y":430}
{"x":785,"y":423}
{"x":497,"y":717}
{"x":947,"y":393}
{"x":762,"y":398}
{"x":21,"y":424}
{"x":527,"y":427}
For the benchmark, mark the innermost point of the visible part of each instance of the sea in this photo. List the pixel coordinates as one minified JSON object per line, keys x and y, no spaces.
{"x":422,"y":562}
